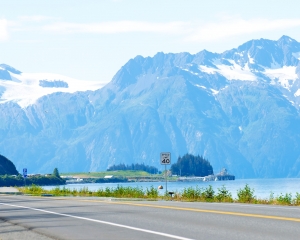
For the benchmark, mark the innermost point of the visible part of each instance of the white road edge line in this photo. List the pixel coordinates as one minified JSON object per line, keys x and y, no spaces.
{"x":99,"y":221}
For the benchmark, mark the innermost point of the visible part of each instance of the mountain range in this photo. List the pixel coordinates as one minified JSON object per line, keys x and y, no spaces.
{"x":239,"y":109}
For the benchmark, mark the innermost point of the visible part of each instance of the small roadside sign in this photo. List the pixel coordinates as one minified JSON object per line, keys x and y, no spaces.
{"x":24,"y":172}
{"x":165,"y":158}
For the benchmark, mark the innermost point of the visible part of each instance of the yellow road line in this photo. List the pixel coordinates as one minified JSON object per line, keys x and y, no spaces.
{"x":200,"y":210}
{"x":188,"y":209}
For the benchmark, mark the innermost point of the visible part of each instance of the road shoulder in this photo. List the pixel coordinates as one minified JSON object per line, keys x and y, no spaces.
{"x":11,"y":232}
{"x":8,"y":190}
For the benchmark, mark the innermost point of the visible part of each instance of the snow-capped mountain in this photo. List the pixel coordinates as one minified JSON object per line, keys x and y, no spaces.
{"x":239,"y":109}
{"x":26,"y":88}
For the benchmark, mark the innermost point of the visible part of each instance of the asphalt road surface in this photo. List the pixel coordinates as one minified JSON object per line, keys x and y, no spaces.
{"x":25,"y":217}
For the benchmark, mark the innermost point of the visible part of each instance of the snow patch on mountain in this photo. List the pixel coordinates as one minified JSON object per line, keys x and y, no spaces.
{"x":206,"y":69}
{"x":297,"y":93}
{"x":232,"y":72}
{"x":285,"y":75}
{"x":214,"y":91}
{"x":197,"y":85}
{"x":296,"y":55}
{"x":236,"y":72}
{"x":26,"y":88}
{"x":251,"y":60}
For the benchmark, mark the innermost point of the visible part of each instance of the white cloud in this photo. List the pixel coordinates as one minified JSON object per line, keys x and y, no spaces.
{"x":235,"y":27}
{"x":3,"y":30}
{"x":34,"y":18}
{"x":118,"y":27}
{"x":191,"y":32}
{"x":225,"y":27}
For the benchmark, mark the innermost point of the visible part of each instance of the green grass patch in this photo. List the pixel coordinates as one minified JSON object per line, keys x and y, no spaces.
{"x":244,"y":195}
{"x":118,"y":173}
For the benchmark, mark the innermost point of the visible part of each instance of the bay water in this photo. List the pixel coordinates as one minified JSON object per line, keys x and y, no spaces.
{"x":262,"y":187}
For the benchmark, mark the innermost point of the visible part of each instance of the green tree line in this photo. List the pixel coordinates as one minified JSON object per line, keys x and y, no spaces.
{"x":11,"y":181}
{"x":136,"y":167}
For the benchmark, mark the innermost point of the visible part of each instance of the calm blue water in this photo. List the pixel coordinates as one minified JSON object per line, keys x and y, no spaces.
{"x":262,"y":187}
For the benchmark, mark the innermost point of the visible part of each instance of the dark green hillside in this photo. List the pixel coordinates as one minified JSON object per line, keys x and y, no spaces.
{"x":7,"y":167}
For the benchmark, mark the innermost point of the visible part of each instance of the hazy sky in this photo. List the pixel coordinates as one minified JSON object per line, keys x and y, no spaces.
{"x":92,"y":39}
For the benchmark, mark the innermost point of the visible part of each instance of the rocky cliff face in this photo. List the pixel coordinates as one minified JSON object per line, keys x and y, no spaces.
{"x":239,"y":109}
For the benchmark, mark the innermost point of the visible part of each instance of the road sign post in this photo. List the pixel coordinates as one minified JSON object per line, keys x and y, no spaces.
{"x":165,"y":159}
{"x":25,"y":175}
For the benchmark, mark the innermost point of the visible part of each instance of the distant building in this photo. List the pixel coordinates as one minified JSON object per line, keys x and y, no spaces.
{"x":224,"y":175}
{"x":109,"y":176}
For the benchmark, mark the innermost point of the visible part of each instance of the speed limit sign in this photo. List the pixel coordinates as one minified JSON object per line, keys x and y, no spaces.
{"x":165,"y":158}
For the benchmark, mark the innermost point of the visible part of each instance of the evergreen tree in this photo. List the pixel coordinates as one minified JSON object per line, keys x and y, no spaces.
{"x":56,"y":173}
{"x":190,"y":165}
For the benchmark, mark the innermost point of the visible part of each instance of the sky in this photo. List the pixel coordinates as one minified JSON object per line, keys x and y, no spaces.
{"x":93,"y":39}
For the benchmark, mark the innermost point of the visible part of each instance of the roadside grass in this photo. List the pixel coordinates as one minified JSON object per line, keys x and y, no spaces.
{"x":118,"y":173}
{"x":118,"y":192}
{"x":191,"y":194}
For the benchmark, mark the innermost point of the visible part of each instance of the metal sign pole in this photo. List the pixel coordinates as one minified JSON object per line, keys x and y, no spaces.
{"x":166,"y":180}
{"x":25,"y":175}
{"x":165,"y":159}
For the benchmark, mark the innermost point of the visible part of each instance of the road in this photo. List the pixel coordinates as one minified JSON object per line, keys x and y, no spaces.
{"x":25,"y":217}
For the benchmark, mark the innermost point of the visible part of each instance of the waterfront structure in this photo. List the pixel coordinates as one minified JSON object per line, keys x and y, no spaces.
{"x":222,"y":176}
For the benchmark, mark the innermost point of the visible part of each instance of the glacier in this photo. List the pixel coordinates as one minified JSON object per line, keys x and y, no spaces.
{"x":26,"y":88}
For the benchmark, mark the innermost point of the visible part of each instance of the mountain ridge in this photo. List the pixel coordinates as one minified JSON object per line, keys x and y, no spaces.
{"x":239,"y":109}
